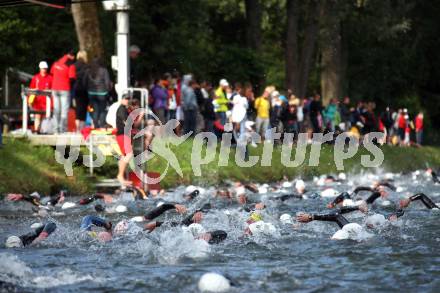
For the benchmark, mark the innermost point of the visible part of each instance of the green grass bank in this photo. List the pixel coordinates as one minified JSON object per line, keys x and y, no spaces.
{"x":26,"y":168}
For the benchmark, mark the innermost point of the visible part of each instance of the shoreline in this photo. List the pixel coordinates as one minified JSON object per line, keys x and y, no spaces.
{"x":25,"y":168}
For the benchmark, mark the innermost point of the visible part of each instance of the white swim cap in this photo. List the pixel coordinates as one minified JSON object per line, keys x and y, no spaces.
{"x":196,"y":229}
{"x":287,"y":184}
{"x":68,"y":205}
{"x":212,"y":282}
{"x":329,"y":192}
{"x":13,"y":242}
{"x":300,"y":185}
{"x":340,"y":235}
{"x":121,"y":209}
{"x":35,"y":195}
{"x":261,"y":227}
{"x":348,"y":203}
{"x":190,"y":189}
{"x":121,"y":227}
{"x":342,"y":176}
{"x":375,"y":220}
{"x":353,"y":229}
{"x":286,"y":219}
{"x":262,"y":189}
{"x":36,"y":225}
{"x":137,"y":219}
{"x":240,"y":190}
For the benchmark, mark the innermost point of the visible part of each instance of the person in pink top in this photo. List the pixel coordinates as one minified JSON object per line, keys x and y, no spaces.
{"x":64,"y":73}
{"x":419,"y":128}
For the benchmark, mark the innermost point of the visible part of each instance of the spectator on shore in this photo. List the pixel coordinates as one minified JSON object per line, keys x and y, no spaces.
{"x":98,"y":85}
{"x":332,"y":117}
{"x":134,"y":53}
{"x":344,"y":111}
{"x":221,"y":102}
{"x":262,"y":105}
{"x":401,"y":124}
{"x":159,"y":93}
{"x":275,"y":112}
{"x":40,"y":81}
{"x":315,"y":113}
{"x":240,"y":105}
{"x":189,"y":104}
{"x":248,"y":92}
{"x":63,"y":72}
{"x":80,"y":91}
{"x":289,"y":117}
{"x":419,"y":128}
{"x":386,"y":119}
{"x":208,"y":112}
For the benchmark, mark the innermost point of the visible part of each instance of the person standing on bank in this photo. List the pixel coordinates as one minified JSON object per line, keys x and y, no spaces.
{"x":64,"y":74}
{"x":98,"y":85}
{"x":80,"y":91}
{"x":40,"y":81}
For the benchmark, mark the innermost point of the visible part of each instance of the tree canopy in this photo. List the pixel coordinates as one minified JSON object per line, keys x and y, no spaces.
{"x":379,"y":50}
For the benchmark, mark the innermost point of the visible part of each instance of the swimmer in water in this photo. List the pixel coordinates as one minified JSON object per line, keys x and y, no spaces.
{"x":33,"y":237}
{"x":375,"y":194}
{"x":195,"y":217}
{"x":433,"y":175}
{"x":89,"y":221}
{"x":338,"y":217}
{"x":35,"y":198}
{"x":404,"y":203}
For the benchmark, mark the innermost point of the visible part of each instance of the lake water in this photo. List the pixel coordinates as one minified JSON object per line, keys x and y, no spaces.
{"x":400,"y":256}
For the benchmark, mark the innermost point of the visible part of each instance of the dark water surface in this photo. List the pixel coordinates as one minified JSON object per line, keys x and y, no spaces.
{"x":402,"y":256}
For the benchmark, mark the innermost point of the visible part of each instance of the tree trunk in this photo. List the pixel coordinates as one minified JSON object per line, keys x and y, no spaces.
{"x":253,"y":24}
{"x":331,"y":57}
{"x":308,"y":48}
{"x":85,"y":16}
{"x":292,"y":68}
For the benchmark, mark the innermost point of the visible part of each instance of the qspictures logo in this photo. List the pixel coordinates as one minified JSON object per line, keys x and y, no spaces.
{"x":205,"y":145}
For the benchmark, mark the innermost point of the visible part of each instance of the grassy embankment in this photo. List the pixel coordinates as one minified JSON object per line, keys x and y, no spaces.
{"x":24,"y":168}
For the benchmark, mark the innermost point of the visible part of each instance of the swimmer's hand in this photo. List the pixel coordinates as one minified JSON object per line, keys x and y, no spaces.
{"x":330,"y":205}
{"x":259,"y":206}
{"x":150,"y":226}
{"x":392,"y":218}
{"x":304,"y":218}
{"x":197,"y":218}
{"x":14,"y":197}
{"x":404,"y":203}
{"x":181,"y":209}
{"x":363,"y":207}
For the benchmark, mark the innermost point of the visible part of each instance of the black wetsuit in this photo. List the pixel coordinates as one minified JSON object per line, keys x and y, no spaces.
{"x":185,"y":222}
{"x":425,"y":200}
{"x":30,"y":237}
{"x":285,"y":197}
{"x":333,"y":217}
{"x":435,"y":177}
{"x":340,"y":198}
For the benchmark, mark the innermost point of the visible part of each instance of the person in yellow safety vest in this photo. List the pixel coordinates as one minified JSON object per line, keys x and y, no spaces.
{"x":221,"y":102}
{"x":262,"y":105}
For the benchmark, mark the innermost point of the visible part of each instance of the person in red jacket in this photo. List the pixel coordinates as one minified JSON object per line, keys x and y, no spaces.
{"x":64,"y":73}
{"x":419,"y":128}
{"x":40,"y":81}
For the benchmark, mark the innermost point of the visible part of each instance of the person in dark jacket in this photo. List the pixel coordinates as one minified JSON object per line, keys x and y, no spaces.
{"x":159,"y":93}
{"x":80,"y":91}
{"x":98,"y":85}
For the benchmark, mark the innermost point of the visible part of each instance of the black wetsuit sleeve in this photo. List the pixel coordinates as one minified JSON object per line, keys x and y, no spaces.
{"x":340,"y":198}
{"x":217,"y":236}
{"x":251,"y":188}
{"x":30,"y":237}
{"x":285,"y":197}
{"x":33,"y":200}
{"x":87,"y":200}
{"x":363,"y":188}
{"x":346,"y":210}
{"x":435,"y":177}
{"x":389,"y":185}
{"x":398,"y":214}
{"x":159,"y":211}
{"x":373,"y":197}
{"x":335,"y":217}
{"x":425,"y":200}
{"x":54,"y":200}
{"x":188,"y":220}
